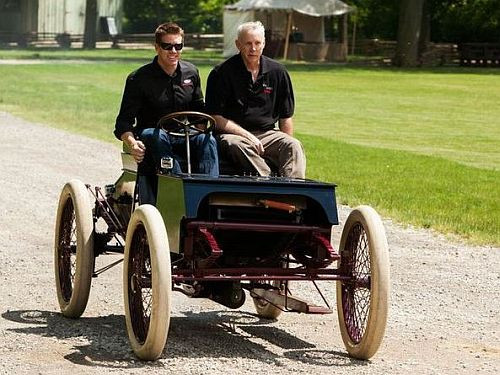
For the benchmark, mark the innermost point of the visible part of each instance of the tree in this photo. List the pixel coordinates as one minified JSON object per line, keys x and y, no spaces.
{"x":145,"y":15}
{"x":376,"y":19}
{"x":142,"y":16}
{"x":90,"y":31}
{"x":460,"y":21}
{"x":209,"y":20}
{"x":409,"y":31}
{"x":454,"y":21}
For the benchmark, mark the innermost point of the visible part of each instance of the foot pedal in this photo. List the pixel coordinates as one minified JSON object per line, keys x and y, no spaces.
{"x":289,"y":303}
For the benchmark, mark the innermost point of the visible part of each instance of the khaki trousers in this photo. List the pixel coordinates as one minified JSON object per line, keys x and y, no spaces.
{"x":281,"y":151}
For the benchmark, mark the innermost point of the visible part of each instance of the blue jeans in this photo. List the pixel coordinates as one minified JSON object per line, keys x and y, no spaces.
{"x":159,"y":144}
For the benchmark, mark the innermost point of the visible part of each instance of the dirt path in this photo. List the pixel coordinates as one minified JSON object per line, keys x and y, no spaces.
{"x":444,"y":317}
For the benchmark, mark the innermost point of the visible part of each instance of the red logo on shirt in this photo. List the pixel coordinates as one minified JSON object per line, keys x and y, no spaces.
{"x":267,"y":89}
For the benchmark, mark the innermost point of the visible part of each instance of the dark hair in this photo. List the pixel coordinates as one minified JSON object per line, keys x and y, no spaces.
{"x":167,"y":28}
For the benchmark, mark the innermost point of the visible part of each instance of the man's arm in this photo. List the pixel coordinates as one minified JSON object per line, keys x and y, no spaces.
{"x":224,"y":125}
{"x":286,"y":125}
{"x":125,"y":120}
{"x":286,"y":104}
{"x":130,"y":104}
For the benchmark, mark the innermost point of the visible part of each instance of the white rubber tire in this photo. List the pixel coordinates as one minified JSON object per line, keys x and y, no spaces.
{"x":73,"y":293}
{"x":151,"y":346}
{"x":375,"y":324}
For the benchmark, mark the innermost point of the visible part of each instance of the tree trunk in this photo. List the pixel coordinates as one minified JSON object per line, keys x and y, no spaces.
{"x":343,"y":34}
{"x":410,"y":22}
{"x":89,"y":35}
{"x":425,"y":29}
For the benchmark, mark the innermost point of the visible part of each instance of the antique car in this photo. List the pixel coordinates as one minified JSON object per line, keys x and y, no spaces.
{"x":222,"y":238}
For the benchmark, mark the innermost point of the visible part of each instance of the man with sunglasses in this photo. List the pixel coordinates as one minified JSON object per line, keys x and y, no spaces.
{"x":166,"y":85}
{"x":248,"y":95}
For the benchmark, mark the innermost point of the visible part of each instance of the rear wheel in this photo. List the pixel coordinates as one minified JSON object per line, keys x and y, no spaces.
{"x":74,"y":249}
{"x":147,"y":283}
{"x":362,"y":302}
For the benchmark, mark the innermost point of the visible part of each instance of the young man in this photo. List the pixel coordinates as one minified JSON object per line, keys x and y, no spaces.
{"x":247,"y":95}
{"x":167,"y":84}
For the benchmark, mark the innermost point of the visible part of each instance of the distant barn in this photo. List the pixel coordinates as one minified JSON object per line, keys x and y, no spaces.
{"x":32,"y":19}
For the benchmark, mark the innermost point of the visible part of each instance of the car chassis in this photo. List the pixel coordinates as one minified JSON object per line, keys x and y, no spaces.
{"x":217,"y":238}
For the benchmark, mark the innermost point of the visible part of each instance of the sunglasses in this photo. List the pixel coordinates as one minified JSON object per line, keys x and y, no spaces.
{"x":170,"y":46}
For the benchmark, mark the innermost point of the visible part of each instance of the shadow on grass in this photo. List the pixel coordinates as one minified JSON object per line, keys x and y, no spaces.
{"x":103,"y":341}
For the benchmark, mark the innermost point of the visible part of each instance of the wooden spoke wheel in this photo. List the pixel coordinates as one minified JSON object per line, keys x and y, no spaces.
{"x":363,"y":300}
{"x":74,"y":249}
{"x":147,"y":283}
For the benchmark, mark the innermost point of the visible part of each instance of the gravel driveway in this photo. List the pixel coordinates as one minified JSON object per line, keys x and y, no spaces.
{"x":444,"y":316}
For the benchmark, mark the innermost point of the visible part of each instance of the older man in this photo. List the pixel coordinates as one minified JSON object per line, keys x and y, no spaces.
{"x":248,"y":95}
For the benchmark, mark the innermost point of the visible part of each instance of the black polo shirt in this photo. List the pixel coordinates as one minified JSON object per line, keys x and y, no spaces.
{"x":150,"y":94}
{"x":254,"y":106}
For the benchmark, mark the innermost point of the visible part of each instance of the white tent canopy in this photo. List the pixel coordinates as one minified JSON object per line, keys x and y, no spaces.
{"x":315,"y":8}
{"x":278,"y":16}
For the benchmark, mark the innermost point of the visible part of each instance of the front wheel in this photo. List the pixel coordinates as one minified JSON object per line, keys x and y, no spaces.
{"x":74,"y":249}
{"x":147,"y":282}
{"x":362,"y":301}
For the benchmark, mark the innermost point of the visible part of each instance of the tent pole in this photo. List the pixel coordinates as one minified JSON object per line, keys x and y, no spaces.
{"x":353,"y":37}
{"x":287,"y":36}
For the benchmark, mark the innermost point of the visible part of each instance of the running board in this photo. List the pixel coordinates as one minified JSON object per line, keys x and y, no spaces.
{"x":288,"y":303}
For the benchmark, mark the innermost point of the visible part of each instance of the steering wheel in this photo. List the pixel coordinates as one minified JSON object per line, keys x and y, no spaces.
{"x":187,"y":122}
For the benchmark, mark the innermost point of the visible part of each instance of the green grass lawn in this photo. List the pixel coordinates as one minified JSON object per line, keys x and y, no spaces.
{"x":421,"y":146}
{"x":450,"y":113}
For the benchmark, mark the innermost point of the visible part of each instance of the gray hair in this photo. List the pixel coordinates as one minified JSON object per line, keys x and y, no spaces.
{"x":250,"y":26}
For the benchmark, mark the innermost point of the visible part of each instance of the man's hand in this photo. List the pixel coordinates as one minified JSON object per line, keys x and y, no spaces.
{"x":137,"y":148}
{"x":259,"y":148}
{"x":223,"y":125}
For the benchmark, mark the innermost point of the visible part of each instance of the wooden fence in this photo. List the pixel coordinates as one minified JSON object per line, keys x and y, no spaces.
{"x":385,"y":50}
{"x":480,"y":54}
{"x":196,"y":41}
{"x":467,"y":54}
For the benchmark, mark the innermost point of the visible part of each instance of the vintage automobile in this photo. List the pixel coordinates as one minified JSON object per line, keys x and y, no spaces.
{"x":222,"y":238}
